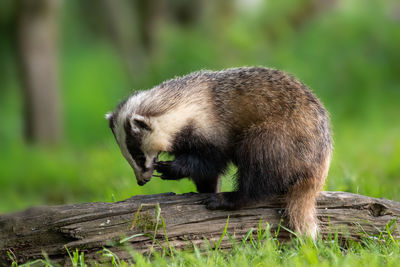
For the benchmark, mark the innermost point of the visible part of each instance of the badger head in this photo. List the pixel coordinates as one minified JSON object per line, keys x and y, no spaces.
{"x":132,"y":132}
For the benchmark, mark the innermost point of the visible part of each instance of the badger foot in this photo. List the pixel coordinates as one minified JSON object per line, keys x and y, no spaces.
{"x":221,"y":201}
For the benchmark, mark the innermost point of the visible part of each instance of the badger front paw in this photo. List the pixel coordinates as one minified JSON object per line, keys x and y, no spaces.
{"x":168,"y":170}
{"x":162,"y":166}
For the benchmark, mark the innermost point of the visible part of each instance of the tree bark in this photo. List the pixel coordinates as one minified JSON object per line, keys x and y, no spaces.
{"x":38,"y":60}
{"x":90,"y":227}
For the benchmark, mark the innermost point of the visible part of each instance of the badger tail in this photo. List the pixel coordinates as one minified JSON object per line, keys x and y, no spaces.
{"x":301,"y":201}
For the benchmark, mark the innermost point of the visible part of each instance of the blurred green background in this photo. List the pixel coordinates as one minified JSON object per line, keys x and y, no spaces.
{"x":347,"y":51}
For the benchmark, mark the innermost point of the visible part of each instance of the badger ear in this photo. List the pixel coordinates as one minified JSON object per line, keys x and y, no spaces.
{"x":109,"y":115}
{"x":141,"y":122}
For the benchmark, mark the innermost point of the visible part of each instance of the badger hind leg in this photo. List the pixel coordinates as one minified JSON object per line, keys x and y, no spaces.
{"x":276,"y":162}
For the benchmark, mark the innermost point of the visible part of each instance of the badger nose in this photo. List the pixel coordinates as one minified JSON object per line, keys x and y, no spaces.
{"x":143,"y":182}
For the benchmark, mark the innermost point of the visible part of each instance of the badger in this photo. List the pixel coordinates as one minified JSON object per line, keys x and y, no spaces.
{"x":264,"y":121}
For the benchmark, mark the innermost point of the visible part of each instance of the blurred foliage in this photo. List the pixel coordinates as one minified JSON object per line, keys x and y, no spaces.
{"x":347,"y":52}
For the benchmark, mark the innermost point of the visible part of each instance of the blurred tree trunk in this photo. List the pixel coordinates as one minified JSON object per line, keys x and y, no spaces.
{"x":38,"y":59}
{"x":121,"y":23}
{"x":151,"y":14}
{"x":225,"y":12}
{"x":308,"y":11}
{"x":134,"y":29}
{"x":188,"y":12}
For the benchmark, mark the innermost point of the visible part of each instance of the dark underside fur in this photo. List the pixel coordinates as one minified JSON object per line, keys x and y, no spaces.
{"x":196,"y":158}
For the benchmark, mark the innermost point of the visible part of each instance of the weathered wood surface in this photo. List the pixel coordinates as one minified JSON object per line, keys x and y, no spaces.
{"x":92,"y":226}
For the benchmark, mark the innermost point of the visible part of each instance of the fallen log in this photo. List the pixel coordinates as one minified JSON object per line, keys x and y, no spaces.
{"x":92,"y":226}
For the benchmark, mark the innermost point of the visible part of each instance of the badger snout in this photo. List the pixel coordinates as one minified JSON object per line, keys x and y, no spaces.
{"x":144,"y":181}
{"x":143,"y":177}
{"x":141,"y":183}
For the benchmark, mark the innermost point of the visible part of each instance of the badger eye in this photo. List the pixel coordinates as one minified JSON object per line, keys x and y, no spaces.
{"x":141,"y":158}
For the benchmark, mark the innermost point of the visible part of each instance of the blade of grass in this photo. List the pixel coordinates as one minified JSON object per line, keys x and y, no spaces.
{"x":223,"y":234}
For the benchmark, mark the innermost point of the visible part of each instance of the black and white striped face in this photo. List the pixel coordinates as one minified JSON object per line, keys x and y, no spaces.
{"x":131,"y":133}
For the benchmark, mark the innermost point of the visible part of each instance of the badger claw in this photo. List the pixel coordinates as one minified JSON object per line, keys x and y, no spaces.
{"x":167,"y":170}
{"x":162,"y":166}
